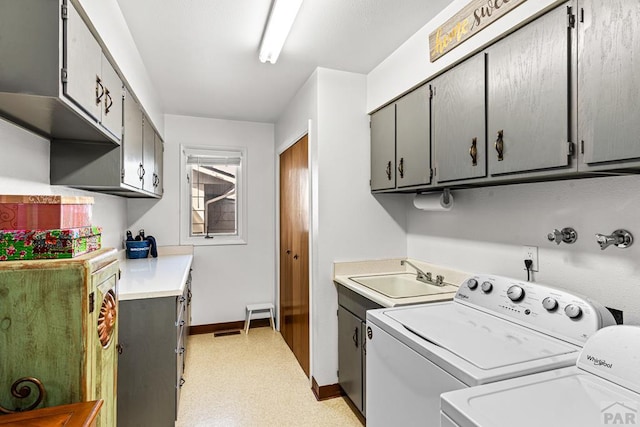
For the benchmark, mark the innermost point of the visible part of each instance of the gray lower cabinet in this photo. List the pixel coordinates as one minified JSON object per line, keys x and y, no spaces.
{"x":528,"y":79}
{"x":459,"y":126}
{"x":152,"y":346}
{"x":609,"y":84}
{"x":352,"y":365}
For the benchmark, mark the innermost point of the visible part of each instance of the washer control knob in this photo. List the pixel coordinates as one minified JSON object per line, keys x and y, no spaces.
{"x":549,"y":303}
{"x":573,"y":311}
{"x":515,"y":293}
{"x":472,"y":283}
{"x":486,"y":287}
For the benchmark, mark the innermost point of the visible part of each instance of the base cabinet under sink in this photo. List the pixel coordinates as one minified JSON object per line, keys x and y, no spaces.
{"x":352,"y":350}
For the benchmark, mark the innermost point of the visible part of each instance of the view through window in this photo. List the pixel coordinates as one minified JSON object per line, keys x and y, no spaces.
{"x":213,"y":181}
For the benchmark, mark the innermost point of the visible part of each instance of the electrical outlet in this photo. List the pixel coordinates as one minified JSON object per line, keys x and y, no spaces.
{"x":530,"y":252}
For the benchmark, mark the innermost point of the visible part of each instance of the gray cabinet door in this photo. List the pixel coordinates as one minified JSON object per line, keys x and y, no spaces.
{"x":383,"y":148}
{"x":159,"y":165}
{"x":132,"y":142}
{"x":148,"y":154}
{"x":83,"y":61}
{"x":459,"y":130}
{"x":350,"y":356}
{"x":112,"y":102}
{"x":413,"y":144}
{"x":609,"y":81}
{"x":528,"y":97}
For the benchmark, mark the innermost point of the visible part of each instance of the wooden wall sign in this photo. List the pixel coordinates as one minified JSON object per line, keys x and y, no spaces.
{"x":469,"y":21}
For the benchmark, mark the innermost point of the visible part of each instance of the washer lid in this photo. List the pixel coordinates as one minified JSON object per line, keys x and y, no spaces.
{"x":484,"y":341}
{"x":563,"y":397}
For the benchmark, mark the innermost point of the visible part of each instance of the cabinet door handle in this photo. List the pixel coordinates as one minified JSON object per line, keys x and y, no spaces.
{"x":295,"y":256}
{"x":181,"y":323}
{"x":182,"y":382}
{"x":99,"y":90}
{"x":288,"y":251}
{"x":473,"y":152}
{"x":355,"y":337}
{"x":500,"y":145}
{"x":140,"y":171}
{"x":120,"y":348}
{"x":108,"y":102}
{"x":401,"y":167}
{"x":389,"y":170}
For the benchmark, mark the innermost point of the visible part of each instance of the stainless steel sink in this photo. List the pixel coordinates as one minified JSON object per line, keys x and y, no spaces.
{"x":401,"y":285}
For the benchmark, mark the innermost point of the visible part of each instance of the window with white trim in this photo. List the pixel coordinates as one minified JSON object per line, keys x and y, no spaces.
{"x":213,"y":196}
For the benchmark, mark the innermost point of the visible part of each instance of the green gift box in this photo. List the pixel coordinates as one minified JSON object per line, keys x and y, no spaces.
{"x":48,"y":244}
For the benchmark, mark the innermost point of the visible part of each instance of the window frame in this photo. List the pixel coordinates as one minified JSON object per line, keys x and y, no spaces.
{"x":240,"y":238}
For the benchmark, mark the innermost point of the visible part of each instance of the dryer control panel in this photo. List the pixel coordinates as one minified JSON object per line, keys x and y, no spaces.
{"x":553,"y":311}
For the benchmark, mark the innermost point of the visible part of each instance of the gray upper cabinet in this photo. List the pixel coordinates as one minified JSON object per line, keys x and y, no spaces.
{"x":132,"y":166}
{"x":400,"y":143}
{"x":413,"y":148}
{"x":81,"y":79}
{"x":528,"y":97}
{"x":459,"y":130}
{"x":148,"y":155}
{"x":609,"y":84}
{"x":87,"y":76}
{"x":158,"y":185}
{"x":111,"y":111}
{"x":383,"y":148}
{"x":55,"y":79}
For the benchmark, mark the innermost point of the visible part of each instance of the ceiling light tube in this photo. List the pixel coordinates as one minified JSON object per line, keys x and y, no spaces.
{"x":281,"y":18}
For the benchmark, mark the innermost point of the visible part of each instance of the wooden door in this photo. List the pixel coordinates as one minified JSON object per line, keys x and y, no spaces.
{"x":294,"y":250}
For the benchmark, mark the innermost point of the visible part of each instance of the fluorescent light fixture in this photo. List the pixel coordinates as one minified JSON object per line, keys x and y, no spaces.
{"x":281,"y":18}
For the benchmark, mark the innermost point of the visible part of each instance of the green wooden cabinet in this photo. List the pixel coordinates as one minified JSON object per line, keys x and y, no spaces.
{"x":58,"y":323}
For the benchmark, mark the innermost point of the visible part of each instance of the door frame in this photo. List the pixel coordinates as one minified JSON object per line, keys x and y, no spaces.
{"x":313,"y":215}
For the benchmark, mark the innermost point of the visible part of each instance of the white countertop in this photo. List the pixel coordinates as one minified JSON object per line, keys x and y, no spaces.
{"x":163,"y":276}
{"x":344,"y":271}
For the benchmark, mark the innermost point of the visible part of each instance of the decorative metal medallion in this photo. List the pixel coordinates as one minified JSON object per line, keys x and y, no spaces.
{"x":107,"y":318}
{"x":21,"y":390}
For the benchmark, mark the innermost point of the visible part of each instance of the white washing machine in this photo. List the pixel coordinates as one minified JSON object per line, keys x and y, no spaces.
{"x":495,"y":328}
{"x":603,"y":388}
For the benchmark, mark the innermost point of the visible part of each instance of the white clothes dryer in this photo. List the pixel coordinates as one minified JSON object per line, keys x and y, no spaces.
{"x":495,"y":328}
{"x":603,"y":388}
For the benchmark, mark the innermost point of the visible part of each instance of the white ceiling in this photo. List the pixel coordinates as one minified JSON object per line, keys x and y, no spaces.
{"x":202,"y":55}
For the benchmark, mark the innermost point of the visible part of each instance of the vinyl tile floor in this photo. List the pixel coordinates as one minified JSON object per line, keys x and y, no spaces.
{"x":252,"y":380}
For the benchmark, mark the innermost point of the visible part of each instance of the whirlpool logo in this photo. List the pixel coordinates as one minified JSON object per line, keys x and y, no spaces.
{"x":599,"y":362}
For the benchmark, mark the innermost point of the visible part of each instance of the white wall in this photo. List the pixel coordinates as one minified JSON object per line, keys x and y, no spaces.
{"x":107,"y":18}
{"x":225,"y":278}
{"x":409,"y":65}
{"x":25,"y":170}
{"x":487,"y":227}
{"x":348,"y":223}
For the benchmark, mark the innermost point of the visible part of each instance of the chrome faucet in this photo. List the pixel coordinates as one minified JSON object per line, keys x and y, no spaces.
{"x":619,"y":238}
{"x":421,"y":276}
